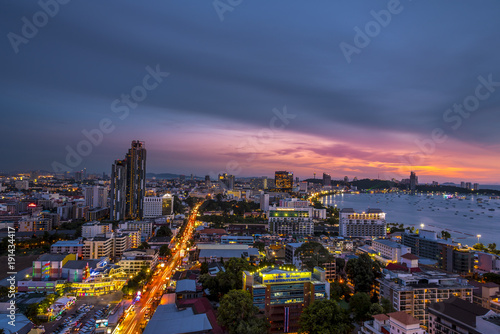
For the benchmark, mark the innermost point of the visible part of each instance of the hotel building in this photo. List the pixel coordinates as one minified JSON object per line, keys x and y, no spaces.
{"x":281,"y":295}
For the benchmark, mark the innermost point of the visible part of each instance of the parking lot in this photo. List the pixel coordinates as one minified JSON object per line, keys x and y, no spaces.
{"x":81,"y":317}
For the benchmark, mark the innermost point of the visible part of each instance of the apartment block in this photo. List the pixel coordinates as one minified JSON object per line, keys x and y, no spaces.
{"x":371,"y":223}
{"x":413,"y":290}
{"x":291,"y":221}
{"x":456,"y":316}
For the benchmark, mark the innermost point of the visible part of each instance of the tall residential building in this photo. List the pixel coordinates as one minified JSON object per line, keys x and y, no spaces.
{"x":264,"y":202}
{"x":475,"y":187}
{"x":128,"y":184}
{"x":284,"y":181}
{"x":327,"y":179}
{"x":118,"y":190}
{"x":282,"y":295}
{"x":468,"y":185}
{"x":413,"y":181}
{"x":167,"y":205}
{"x":136,"y":179}
{"x":226,"y":181}
{"x":96,"y":196}
{"x":366,"y":224}
{"x":291,"y":221}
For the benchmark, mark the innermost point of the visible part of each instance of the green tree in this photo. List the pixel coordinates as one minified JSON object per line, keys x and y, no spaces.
{"x":339,"y":291}
{"x":164,"y":231}
{"x":359,"y":305}
{"x":387,"y":305}
{"x":491,"y":277}
{"x":445,"y":235}
{"x":325,"y":317}
{"x":259,"y":245}
{"x":144,"y":245}
{"x":492,"y":247}
{"x":362,"y":272}
{"x":479,"y":246}
{"x":339,"y":265}
{"x":165,"y":251}
{"x":313,"y":254}
{"x":238,"y":314}
{"x":204,"y":268}
{"x":376,"y":308}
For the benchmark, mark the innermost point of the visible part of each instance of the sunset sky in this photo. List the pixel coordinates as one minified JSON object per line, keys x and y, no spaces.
{"x":261,"y":87}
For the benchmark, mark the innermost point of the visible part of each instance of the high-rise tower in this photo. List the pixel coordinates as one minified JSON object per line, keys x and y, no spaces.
{"x":128,"y":184}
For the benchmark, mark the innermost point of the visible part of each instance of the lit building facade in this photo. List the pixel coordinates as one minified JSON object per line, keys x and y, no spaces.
{"x":281,"y":295}
{"x":414,"y":292}
{"x":128,"y":184}
{"x":284,"y":181}
{"x":371,"y":223}
{"x":291,"y":221}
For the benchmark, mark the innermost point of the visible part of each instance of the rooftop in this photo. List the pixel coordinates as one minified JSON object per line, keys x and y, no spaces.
{"x":410,"y":256}
{"x":169,"y":320}
{"x":389,"y":243}
{"x":460,"y":310}
{"x":404,"y":318}
{"x":80,"y":264}
{"x":68,"y":243}
{"x":185,"y":285}
{"x":52,"y":257}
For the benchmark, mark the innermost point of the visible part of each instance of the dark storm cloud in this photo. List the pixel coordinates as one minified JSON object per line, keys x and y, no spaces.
{"x":263,"y":55}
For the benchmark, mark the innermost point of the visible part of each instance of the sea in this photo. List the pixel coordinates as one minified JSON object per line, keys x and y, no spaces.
{"x":463,"y":217}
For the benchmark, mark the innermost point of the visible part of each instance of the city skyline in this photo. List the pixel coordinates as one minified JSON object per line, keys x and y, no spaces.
{"x":306,"y":95}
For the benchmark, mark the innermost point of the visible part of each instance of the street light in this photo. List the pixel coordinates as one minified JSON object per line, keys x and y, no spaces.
{"x":422,"y":225}
{"x":478,"y":236}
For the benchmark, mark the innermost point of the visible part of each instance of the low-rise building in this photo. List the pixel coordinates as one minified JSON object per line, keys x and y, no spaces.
{"x":455,"y":315}
{"x":486,"y":295}
{"x":133,"y":260}
{"x":187,"y":289}
{"x":393,"y":323}
{"x":68,"y":247}
{"x":290,"y":256}
{"x":35,"y":224}
{"x":97,"y":247}
{"x":389,"y":250}
{"x":218,"y":252}
{"x":236,"y":239}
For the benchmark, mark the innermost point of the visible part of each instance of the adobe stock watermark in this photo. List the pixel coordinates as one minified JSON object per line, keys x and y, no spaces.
{"x":30,"y":27}
{"x":363,"y":37}
{"x":223,"y":6}
{"x":257,"y":143}
{"x":453,"y":117}
{"x":121,"y":107}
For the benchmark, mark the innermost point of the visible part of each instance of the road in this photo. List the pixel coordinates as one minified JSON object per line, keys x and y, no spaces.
{"x":132,"y":322}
